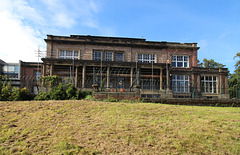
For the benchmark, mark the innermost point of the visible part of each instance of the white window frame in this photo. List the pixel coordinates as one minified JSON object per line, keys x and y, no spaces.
{"x":208,"y":84}
{"x":180,"y":84}
{"x":68,"y":54}
{"x":149,"y":58}
{"x":180,"y":59}
{"x":108,"y":56}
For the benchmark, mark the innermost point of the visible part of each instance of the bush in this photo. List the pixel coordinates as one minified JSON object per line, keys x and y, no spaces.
{"x":83,"y":94}
{"x":25,"y":95}
{"x":58,"y":93}
{"x":71,"y":91}
{"x":89,"y":97}
{"x":15,"y":95}
{"x":58,"y":90}
{"x":6,"y":92}
{"x":42,"y":96}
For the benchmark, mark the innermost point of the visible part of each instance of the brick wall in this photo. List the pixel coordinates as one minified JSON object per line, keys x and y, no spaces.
{"x":28,"y":76}
{"x":130,"y":53}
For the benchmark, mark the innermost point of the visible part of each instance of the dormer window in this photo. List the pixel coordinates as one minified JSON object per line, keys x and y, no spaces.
{"x":180,"y":61}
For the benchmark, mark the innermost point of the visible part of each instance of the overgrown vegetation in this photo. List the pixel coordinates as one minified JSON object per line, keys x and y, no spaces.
{"x":234,"y":82}
{"x":54,"y":90}
{"x":63,"y":92}
{"x":92,"y":127}
{"x":15,"y":94}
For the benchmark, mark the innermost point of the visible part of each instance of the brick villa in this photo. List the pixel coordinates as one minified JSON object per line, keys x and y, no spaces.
{"x":160,"y":69}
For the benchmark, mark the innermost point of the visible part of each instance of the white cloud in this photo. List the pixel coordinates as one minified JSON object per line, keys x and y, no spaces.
{"x":18,"y":41}
{"x":24,"y":24}
{"x":63,"y":20}
{"x":21,"y":10}
{"x":67,"y":14}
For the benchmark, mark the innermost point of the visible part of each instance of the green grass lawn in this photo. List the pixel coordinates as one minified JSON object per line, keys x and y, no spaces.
{"x":92,"y":127}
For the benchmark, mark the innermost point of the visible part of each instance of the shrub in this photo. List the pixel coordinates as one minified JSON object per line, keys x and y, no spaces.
{"x":6,"y":92}
{"x":15,"y":96}
{"x":25,"y":95}
{"x":58,"y":93}
{"x":89,"y":97}
{"x":83,"y":94}
{"x":42,"y":96}
{"x":71,"y":91}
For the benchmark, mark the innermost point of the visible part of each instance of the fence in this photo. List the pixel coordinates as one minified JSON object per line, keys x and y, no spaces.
{"x":121,"y":79}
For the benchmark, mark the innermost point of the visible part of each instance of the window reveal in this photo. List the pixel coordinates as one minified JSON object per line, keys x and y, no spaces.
{"x":68,"y":54}
{"x":180,"y":61}
{"x":149,"y":58}
{"x":180,"y":83}
{"x":209,"y":84}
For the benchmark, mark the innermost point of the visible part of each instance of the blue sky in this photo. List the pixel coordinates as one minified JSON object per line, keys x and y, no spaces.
{"x":213,"y":24}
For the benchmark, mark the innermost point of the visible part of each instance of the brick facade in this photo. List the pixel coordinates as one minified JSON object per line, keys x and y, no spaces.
{"x":29,"y":77}
{"x":154,"y":78}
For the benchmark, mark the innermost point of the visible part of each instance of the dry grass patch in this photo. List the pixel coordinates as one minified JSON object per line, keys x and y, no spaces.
{"x":92,"y":127}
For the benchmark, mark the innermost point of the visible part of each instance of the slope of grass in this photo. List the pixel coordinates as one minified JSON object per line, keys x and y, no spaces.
{"x":92,"y":127}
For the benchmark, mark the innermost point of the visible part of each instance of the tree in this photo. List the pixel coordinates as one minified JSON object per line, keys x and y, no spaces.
{"x":210,"y":64}
{"x":234,"y":82}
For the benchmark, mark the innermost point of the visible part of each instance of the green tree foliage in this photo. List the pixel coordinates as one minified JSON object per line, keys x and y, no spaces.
{"x":234,"y":80}
{"x":210,"y":64}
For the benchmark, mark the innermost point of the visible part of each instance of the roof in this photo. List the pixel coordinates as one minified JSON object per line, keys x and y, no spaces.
{"x":118,"y":41}
{"x":2,"y":62}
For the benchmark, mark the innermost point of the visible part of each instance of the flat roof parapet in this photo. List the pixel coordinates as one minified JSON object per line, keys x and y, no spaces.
{"x":119,"y":41}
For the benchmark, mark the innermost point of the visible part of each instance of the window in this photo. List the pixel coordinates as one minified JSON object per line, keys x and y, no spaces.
{"x":108,"y":56}
{"x":118,"y":56}
{"x":180,"y":61}
{"x":180,"y":83}
{"x":68,"y":54}
{"x":209,"y":84}
{"x":11,"y":71}
{"x":149,"y":58}
{"x":97,"y":55}
{"x":37,"y":75}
